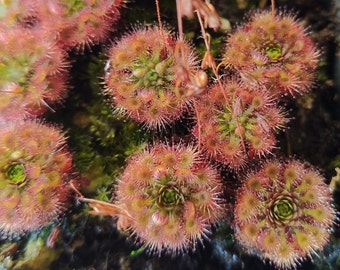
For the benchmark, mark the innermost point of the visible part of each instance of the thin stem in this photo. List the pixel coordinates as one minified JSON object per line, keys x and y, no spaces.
{"x":179,"y":20}
{"x":204,"y":34}
{"x":76,"y":190}
{"x":273,"y":7}
{"x":213,"y":65}
{"x":215,"y":71}
{"x":160,"y":21}
{"x":159,"y":15}
{"x":100,"y":207}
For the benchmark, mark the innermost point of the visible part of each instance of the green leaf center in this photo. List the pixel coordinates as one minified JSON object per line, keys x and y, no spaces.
{"x":273,"y":52}
{"x":16,"y":174}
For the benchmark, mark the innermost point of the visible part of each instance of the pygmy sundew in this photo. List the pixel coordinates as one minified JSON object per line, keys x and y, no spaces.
{"x":33,"y":73}
{"x":273,"y":49}
{"x":237,"y":122}
{"x":284,"y":212}
{"x":71,"y":23}
{"x":35,"y":168}
{"x":76,"y":23}
{"x":143,"y":76}
{"x":171,"y":196}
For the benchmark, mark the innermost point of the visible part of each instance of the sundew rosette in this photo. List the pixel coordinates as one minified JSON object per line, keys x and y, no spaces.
{"x":79,"y":23}
{"x":35,"y":169}
{"x":33,"y":73}
{"x":170,"y":198}
{"x":147,"y":74}
{"x":73,"y":24}
{"x":284,"y":212}
{"x":236,"y":123}
{"x":274,"y":50}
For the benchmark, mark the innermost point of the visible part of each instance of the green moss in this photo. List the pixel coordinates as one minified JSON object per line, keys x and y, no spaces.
{"x":30,"y":253}
{"x":99,"y":139}
{"x":37,"y":256}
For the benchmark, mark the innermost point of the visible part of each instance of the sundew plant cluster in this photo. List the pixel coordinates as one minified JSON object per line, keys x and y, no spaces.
{"x":127,"y":142}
